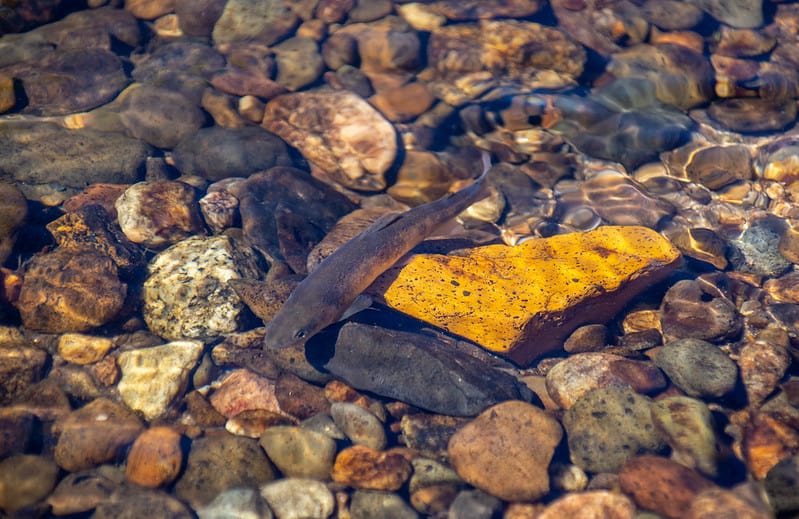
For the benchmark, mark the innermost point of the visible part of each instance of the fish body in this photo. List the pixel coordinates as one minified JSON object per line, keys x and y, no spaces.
{"x":323,"y":297}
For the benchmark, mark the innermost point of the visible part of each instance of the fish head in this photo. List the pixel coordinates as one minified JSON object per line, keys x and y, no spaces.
{"x":288,"y":329}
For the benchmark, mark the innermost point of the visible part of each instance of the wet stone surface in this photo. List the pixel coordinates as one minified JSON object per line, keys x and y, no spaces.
{"x":172,"y":171}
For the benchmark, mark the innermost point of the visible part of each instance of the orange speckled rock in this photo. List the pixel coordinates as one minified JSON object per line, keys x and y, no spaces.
{"x":523,"y":301}
{"x":155,"y":458}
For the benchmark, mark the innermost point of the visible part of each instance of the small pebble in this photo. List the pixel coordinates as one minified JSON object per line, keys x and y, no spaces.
{"x":687,"y":311}
{"x":239,"y":503}
{"x":83,"y":349}
{"x":474,"y":504}
{"x":434,"y":499}
{"x":360,"y":426}
{"x":365,"y":468}
{"x":597,"y":503}
{"x":155,"y":458}
{"x":295,"y":498}
{"x":763,"y":362}
{"x":718,"y":502}
{"x":241,"y":390}
{"x":781,"y":483}
{"x":686,"y":425}
{"x":81,"y":492}
{"x":698,"y":368}
{"x":299,"y":452}
{"x":373,"y":504}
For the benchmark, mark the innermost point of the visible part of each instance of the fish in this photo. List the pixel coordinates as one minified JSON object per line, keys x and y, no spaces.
{"x":323,"y":297}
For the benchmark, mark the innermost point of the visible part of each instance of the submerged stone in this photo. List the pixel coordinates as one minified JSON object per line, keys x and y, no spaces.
{"x":523,"y":301}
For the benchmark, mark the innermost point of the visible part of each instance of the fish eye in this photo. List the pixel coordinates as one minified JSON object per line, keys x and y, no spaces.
{"x":300,"y":334}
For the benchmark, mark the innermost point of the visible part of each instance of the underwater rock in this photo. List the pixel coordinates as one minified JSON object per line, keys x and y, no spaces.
{"x":284,"y":188}
{"x":217,"y":153}
{"x":298,"y":497}
{"x":527,"y":304}
{"x":417,"y":369}
{"x":298,"y":452}
{"x":698,"y":368}
{"x":364,"y":468}
{"x":155,"y":458}
{"x":753,"y":115}
{"x":298,"y":62}
{"x":186,"y":295}
{"x":687,"y":427}
{"x":70,"y":290}
{"x":25,"y":479}
{"x":620,"y":200}
{"x":689,"y":311}
{"x":339,"y":132}
{"x":13,"y":210}
{"x":744,"y":14}
{"x":266,"y":22}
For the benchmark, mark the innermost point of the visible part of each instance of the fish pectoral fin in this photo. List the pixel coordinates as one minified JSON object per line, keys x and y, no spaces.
{"x":362,"y":302}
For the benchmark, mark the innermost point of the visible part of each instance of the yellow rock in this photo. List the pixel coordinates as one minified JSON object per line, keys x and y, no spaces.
{"x":523,"y":301}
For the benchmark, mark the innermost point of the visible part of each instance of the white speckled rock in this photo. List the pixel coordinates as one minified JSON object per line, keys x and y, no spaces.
{"x":296,"y":498}
{"x":152,"y":377}
{"x":243,"y":503}
{"x":186,"y":295}
{"x":360,"y":426}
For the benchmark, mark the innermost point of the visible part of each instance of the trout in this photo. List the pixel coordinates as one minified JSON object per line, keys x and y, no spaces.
{"x":326,"y":293}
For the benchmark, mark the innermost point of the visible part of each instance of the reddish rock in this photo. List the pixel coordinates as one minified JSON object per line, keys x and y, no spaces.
{"x":242,"y":390}
{"x":299,"y":398}
{"x":662,"y":485}
{"x":155,"y":458}
{"x":365,"y":468}
{"x":404,"y":102}
{"x":763,"y":362}
{"x":506,"y":451}
{"x":768,"y":439}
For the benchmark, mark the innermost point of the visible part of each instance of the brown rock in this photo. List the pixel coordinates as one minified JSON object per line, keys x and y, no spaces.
{"x":484,"y":9}
{"x":70,"y":291}
{"x":299,"y":398}
{"x":253,"y":422}
{"x":717,"y":502}
{"x":661,"y":485}
{"x":689,"y":311}
{"x":100,"y":194}
{"x":157,"y":214}
{"x":155,"y":458}
{"x":197,"y":17}
{"x":247,"y":20}
{"x":333,"y":11}
{"x":768,"y":438}
{"x":16,"y":431}
{"x":202,"y":412}
{"x":429,"y":434}
{"x":81,"y":492}
{"x":20,"y":367}
{"x":597,"y":503}
{"x":24,"y":480}
{"x":7,"y":97}
{"x":763,"y":362}
{"x":365,"y":468}
{"x":94,"y":434}
{"x":506,"y":451}
{"x":434,"y":499}
{"x":581,"y":373}
{"x":149,"y":9}
{"x":404,"y":102}
{"x":339,"y":132}
{"x":83,"y":349}
{"x":106,"y":371}
{"x":242,"y":390}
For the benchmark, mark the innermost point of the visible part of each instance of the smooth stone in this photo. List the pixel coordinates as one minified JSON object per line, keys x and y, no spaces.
{"x":361,"y":426}
{"x":756,"y":251}
{"x":608,"y":426}
{"x":44,"y":153}
{"x":129,"y":502}
{"x":24,"y":480}
{"x":588,"y":338}
{"x":716,"y":502}
{"x":81,"y":492}
{"x":70,"y":291}
{"x":7,"y":96}
{"x":534,"y":294}
{"x":671,"y":15}
{"x":428,"y":472}
{"x":621,"y":201}
{"x":248,"y":20}
{"x":83,"y":349}
{"x":149,"y":9}
{"x":417,"y":369}
{"x":16,"y":431}
{"x":698,"y":368}
{"x":183,"y":65}
{"x":92,"y":29}
{"x":743,"y":14}
{"x":506,"y":451}
{"x":20,"y":367}
{"x":403,"y":103}
{"x":296,"y":498}
{"x":216,"y":153}
{"x":287,"y":190}
{"x":221,"y":462}
{"x":582,"y":373}
{"x":153,"y":377}
{"x":337,"y":131}
{"x":434,"y":499}
{"x":197,"y":17}
{"x":686,"y":425}
{"x":781,"y":483}
{"x":299,"y":452}
{"x":753,"y":115}
{"x":69,"y":80}
{"x":91,"y":227}
{"x":299,"y":63}
{"x":241,"y":503}
{"x":661,"y":485}
{"x":389,"y":50}
{"x":204,"y":305}
{"x":597,"y":503}
{"x":241,"y":390}
{"x":689,"y":311}
{"x":763,"y":362}
{"x":363,"y":468}
{"x":373,"y":504}
{"x":155,"y":458}
{"x":768,"y":438}
{"x":96,"y":433}
{"x":253,"y":422}
{"x":299,"y":398}
{"x":158,"y":214}
{"x":158,"y":116}
{"x":13,"y":211}
{"x":474,"y":504}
